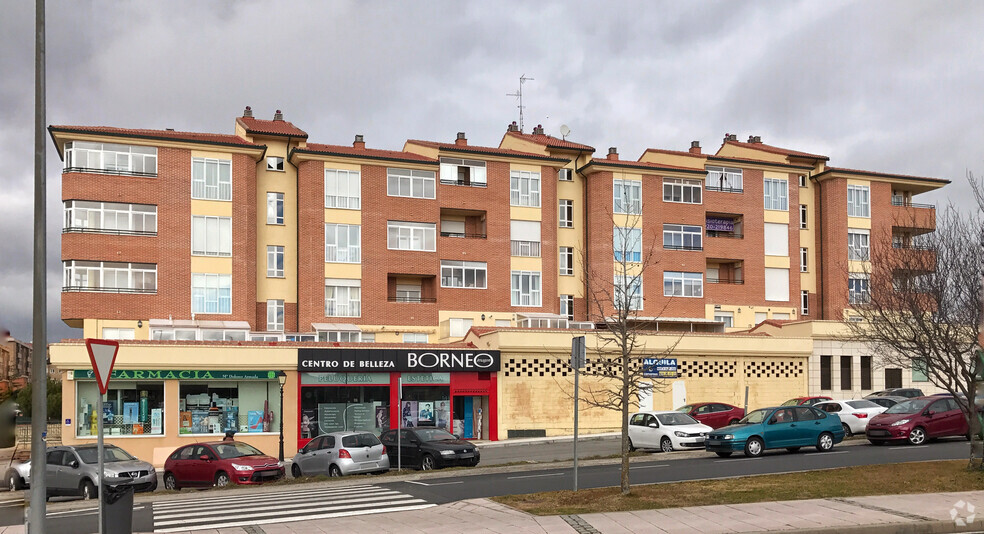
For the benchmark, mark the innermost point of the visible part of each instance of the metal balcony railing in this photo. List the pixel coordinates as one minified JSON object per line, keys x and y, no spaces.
{"x":91,"y":170}
{"x":724,"y":281}
{"x":907,"y":204}
{"x":529,"y":249}
{"x":87,"y":289}
{"x":413,"y":300}
{"x":683,"y":247}
{"x":82,"y":230}
{"x":463,"y":235}
{"x":724,"y":189}
{"x":466,"y":183}
{"x":718,"y":233}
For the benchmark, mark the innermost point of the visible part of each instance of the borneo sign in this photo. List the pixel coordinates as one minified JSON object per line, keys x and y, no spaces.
{"x":398,"y":360}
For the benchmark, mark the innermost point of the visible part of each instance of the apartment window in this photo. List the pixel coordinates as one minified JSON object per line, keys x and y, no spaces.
{"x":726,"y":317}
{"x":776,"y":239}
{"x":777,"y":284}
{"x":345,"y":336}
{"x":455,"y":171}
{"x":410,"y":183}
{"x":275,"y":163}
{"x":627,"y":196}
{"x":627,"y":244}
{"x":567,"y":261}
{"x":524,"y":188}
{"x":415,"y":337}
{"x":802,"y":179}
{"x":408,"y":292}
{"x":760,"y":316}
{"x":567,"y":306}
{"x":802,"y":216}
{"x":919,"y":371}
{"x":110,"y":218}
{"x":682,"y":237}
{"x":275,"y":208}
{"x":723,"y":179}
{"x":776,"y":194}
{"x":858,"y":244}
{"x":275,"y":316}
{"x":858,"y":288}
{"x":825,"y":372}
{"x":525,"y":288}
{"x":343,"y":189}
{"x":110,"y":158}
{"x":858,"y":201}
{"x":628,"y":291}
{"x":464,"y":274}
{"x":803,"y":258}
{"x":680,"y":284}
{"x":401,"y":235}
{"x":110,"y":277}
{"x":458,"y":327}
{"x":565,"y":175}
{"x":566,"y":213}
{"x":865,"y":373}
{"x":211,"y":236}
{"x":525,"y":238}
{"x":343,"y":298}
{"x":846,"y":367}
{"x":211,"y":293}
{"x":343,"y":243}
{"x":275,"y":261}
{"x":681,"y":190}
{"x":804,"y":303}
{"x":211,"y":179}
{"x":118,"y":333}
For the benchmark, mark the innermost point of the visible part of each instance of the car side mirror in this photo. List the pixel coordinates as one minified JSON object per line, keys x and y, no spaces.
{"x":653,"y":425}
{"x":930,"y":413}
{"x":74,"y":464}
{"x":203,"y":457}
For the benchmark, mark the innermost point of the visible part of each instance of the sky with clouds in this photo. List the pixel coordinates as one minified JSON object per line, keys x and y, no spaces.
{"x":887,"y":86}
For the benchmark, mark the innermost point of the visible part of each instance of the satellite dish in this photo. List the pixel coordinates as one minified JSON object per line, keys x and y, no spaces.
{"x":565,"y":130}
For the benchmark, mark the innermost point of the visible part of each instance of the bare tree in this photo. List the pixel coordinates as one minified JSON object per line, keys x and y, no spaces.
{"x":923,"y":305}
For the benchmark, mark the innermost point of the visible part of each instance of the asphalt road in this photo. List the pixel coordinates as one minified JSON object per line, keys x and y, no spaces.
{"x":549,"y":452}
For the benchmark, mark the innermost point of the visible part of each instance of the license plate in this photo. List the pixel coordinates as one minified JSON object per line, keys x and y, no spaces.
{"x":468,"y":455}
{"x":713,"y":442}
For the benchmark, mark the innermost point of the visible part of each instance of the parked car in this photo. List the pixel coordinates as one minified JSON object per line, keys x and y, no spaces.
{"x":713,"y":414}
{"x":917,"y":420}
{"x":909,"y":393}
{"x":854,"y":414}
{"x":18,"y":476}
{"x":789,"y":427}
{"x":805,"y":401}
{"x":887,"y":401}
{"x":341,"y":453}
{"x":666,"y":431}
{"x":219,"y":463}
{"x":74,"y":470}
{"x":429,"y":448}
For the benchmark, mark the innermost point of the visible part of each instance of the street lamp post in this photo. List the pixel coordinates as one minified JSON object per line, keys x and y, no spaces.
{"x":282,"y":378}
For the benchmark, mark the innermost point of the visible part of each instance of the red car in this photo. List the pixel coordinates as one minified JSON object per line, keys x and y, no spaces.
{"x":917,"y":420}
{"x":219,"y":464}
{"x":805,"y":401}
{"x":713,"y":414}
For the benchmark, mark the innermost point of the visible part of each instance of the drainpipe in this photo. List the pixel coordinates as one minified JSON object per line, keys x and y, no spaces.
{"x":819,"y":248}
{"x":584,"y":232}
{"x":297,"y":243}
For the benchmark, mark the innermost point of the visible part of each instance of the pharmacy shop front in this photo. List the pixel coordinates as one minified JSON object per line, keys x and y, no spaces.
{"x":379,"y":389}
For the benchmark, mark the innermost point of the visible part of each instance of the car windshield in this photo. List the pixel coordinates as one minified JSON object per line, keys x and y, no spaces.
{"x":755,"y":417}
{"x":433,"y":434}
{"x":685,"y":409}
{"x":673,"y":419}
{"x":359,"y":440}
{"x":90,"y":455}
{"x":791,"y":402}
{"x":235,"y":449}
{"x":862,"y":404}
{"x":910,"y":406}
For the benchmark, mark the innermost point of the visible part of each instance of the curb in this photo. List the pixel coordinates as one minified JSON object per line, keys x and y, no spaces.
{"x":919,"y":527}
{"x":536,"y":441}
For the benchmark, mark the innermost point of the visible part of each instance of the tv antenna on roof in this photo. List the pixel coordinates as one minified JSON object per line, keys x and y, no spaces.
{"x":519,"y":94}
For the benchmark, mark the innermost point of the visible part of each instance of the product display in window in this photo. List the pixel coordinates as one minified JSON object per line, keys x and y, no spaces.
{"x":220,"y":407}
{"x":127,"y":408}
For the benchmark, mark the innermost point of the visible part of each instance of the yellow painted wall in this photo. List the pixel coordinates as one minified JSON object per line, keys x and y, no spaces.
{"x":512,"y":142}
{"x":744,"y":315}
{"x":351,"y":271}
{"x":808,"y":237}
{"x":217,"y":208}
{"x":522,"y":263}
{"x":863,"y":223}
{"x":777,"y":262}
{"x":92,"y":328}
{"x":523,"y":213}
{"x":675,"y":160}
{"x":338,"y":216}
{"x":779,"y":217}
{"x":572,"y":237}
{"x":732,"y":151}
{"x":208,"y":264}
{"x":283,"y":235}
{"x":426,"y":151}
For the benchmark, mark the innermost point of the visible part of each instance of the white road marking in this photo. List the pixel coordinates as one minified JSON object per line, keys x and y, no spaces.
{"x":250,"y":507}
{"x":649,"y":466}
{"x":827,"y":452}
{"x":291,"y":518}
{"x":266,"y":496}
{"x":904,"y":447}
{"x":737,"y":459}
{"x":435,"y":483}
{"x":537,"y":476}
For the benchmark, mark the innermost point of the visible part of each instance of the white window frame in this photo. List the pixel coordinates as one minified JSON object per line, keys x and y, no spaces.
{"x":413,"y":236}
{"x":859,"y":201}
{"x":93,"y":217}
{"x":218,"y":245}
{"x":415,"y":337}
{"x":275,"y":261}
{"x":804,"y":302}
{"x":803,"y":216}
{"x":627,"y":240}
{"x":858,"y":244}
{"x":409,"y":292}
{"x":682,"y":283}
{"x":566,"y":261}
{"x":275,"y":208}
{"x":776,"y":194}
{"x":776,"y":279}
{"x":201,"y":188}
{"x":726,"y":179}
{"x":632,"y":284}
{"x":455,"y":274}
{"x":110,"y":158}
{"x":677,"y":237}
{"x":346,"y":306}
{"x":804,"y":256}
{"x":476,"y":172}
{"x":858,"y":288}
{"x":349,"y":254}
{"x":678,"y":189}
{"x":727,"y":317}
{"x":776,"y":239}
{"x":565,"y":175}
{"x":565,"y":211}
{"x":530,"y":298}
{"x":85,"y":276}
{"x":275,"y":164}
{"x":802,"y":180}
{"x":275,"y":315}
{"x":344,"y":336}
{"x":524,"y":189}
{"x":118,"y":333}
{"x":459,"y":326}
{"x":567,"y":306}
{"x":410,"y":183}
{"x":524,"y":238}
{"x":627,"y":196}
{"x":213,"y":291}
{"x":348,"y":197}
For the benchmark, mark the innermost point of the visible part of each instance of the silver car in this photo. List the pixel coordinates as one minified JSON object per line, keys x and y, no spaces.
{"x":341,"y":453}
{"x":19,"y":476}
{"x":72,"y":470}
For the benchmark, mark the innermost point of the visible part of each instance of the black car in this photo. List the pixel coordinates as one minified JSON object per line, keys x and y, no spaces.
{"x":429,"y":448}
{"x":887,"y":401}
{"x":910,"y":393}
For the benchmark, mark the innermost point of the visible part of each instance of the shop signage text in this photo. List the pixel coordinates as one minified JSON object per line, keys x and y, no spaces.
{"x":314,"y":379}
{"x":659,"y":368}
{"x":385,"y":360}
{"x":148,"y":374}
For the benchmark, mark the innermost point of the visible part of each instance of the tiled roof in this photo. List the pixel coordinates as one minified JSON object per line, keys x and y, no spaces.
{"x":194,"y":137}
{"x":676,"y":152}
{"x":776,"y":150}
{"x":712,"y":158}
{"x":482,"y":150}
{"x":641,"y":164}
{"x":550,"y":141}
{"x":276,"y":127}
{"x":884,"y":174}
{"x":343,"y":150}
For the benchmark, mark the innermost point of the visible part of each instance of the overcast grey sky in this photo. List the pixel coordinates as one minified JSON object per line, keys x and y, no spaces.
{"x":887,"y":86}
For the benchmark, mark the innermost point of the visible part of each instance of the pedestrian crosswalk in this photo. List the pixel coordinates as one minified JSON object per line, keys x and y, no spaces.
{"x":211,"y":511}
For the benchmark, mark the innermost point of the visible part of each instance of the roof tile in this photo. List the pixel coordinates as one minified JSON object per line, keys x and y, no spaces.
{"x":366,"y":152}
{"x":776,"y":150}
{"x":274,"y":127}
{"x":479,"y":149}
{"x":158,"y":134}
{"x":550,"y":141}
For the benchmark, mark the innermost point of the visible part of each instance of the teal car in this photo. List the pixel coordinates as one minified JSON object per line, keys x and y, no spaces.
{"x":783,"y":427}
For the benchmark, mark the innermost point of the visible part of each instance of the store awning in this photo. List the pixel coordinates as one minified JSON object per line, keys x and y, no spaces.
{"x":335,"y":327}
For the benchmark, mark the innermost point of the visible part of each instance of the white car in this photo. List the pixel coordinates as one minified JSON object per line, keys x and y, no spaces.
{"x":666,"y":431}
{"x":854,"y":414}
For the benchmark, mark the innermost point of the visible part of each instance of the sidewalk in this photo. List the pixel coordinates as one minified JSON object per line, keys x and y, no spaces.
{"x":918,"y":513}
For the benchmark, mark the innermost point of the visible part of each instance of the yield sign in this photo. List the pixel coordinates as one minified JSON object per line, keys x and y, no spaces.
{"x":102,"y":354}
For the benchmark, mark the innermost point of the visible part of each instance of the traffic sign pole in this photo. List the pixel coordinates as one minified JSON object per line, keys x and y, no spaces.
{"x":102,"y":354}
{"x":577,"y":362}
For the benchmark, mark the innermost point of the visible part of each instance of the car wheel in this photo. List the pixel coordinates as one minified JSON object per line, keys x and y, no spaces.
{"x":295,"y":471}
{"x":632,"y":448}
{"x":665,"y":444}
{"x":917,"y":436}
{"x":723,"y":454}
{"x":825,"y":442}
{"x":733,"y":422}
{"x":847,"y":430}
{"x":754,"y":447}
{"x":427,"y":463}
{"x":14,"y":482}
{"x":221,"y":479}
{"x":171,"y":482}
{"x":793,"y":449}
{"x":876,"y":442}
{"x":334,"y":471}
{"x":88,"y":490}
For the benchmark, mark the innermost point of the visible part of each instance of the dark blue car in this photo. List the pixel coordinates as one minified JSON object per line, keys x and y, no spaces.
{"x":788,"y":427}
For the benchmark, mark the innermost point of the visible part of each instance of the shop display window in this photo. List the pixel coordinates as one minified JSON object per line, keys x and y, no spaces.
{"x":426,"y":406}
{"x":129,"y":409}
{"x":218,"y":407}
{"x":337,"y":408}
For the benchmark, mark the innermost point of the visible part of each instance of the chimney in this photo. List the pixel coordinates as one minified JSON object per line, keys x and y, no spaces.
{"x":755,"y":139}
{"x":612,"y":153}
{"x":695,"y":147}
{"x":730,"y":137}
{"x":248,"y":112}
{"x":512,"y":127}
{"x":461,"y":139}
{"x":538,"y":130}
{"x":359,"y":142}
{"x":278,"y":116}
